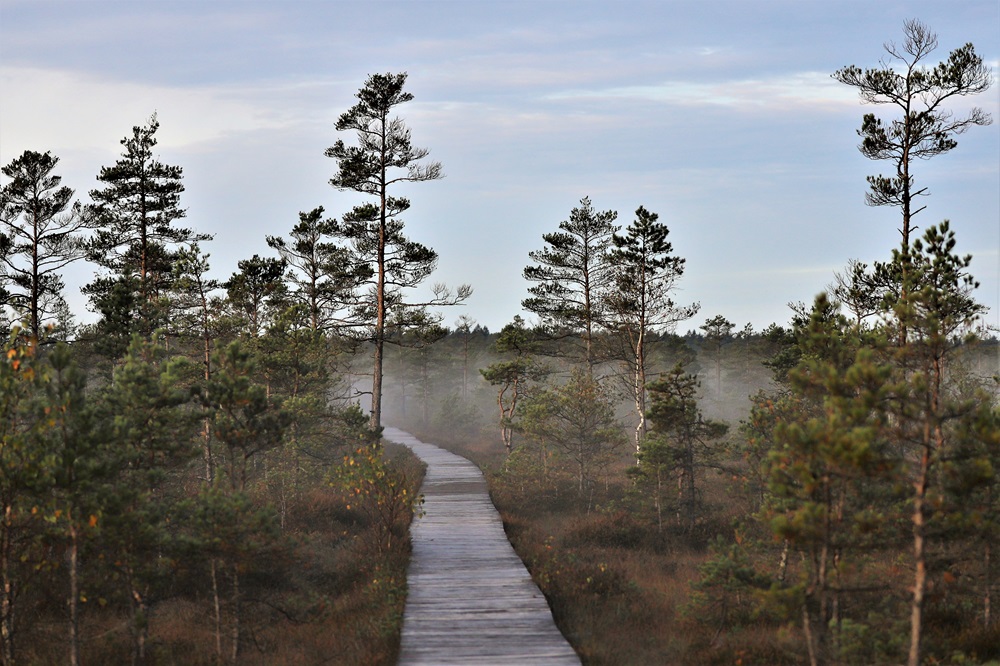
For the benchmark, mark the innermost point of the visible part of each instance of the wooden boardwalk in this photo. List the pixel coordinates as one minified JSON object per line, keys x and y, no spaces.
{"x":470,"y":600}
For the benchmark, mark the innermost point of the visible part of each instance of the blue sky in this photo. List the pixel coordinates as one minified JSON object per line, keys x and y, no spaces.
{"x":720,"y":116}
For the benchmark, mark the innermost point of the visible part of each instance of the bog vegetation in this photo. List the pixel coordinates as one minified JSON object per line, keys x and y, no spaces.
{"x":193,"y":478}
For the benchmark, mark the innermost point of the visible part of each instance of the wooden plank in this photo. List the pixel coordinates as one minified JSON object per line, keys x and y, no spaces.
{"x":471,"y":599}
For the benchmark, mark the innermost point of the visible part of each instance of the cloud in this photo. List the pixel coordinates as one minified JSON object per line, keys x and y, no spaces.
{"x":812,"y":89}
{"x":62,"y":110}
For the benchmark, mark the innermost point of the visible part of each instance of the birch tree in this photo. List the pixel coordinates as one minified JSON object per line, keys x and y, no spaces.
{"x":640,"y":300}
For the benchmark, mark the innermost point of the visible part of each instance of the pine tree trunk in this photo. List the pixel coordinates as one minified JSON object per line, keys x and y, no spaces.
{"x":919,"y":562}
{"x":376,"y":415}
{"x":74,"y":596}
{"x":810,"y":639}
{"x":207,"y":429}
{"x":140,"y":627}
{"x":689,"y":484}
{"x":988,"y":593}
{"x":236,"y":615}
{"x":933,"y":443}
{"x":206,"y":448}
{"x":659,"y":499}
{"x":783,"y":562}
{"x":217,"y":609}
{"x":380,"y":312}
{"x":817,"y":607}
{"x":8,"y":590}
{"x":36,"y":325}
{"x":465,"y":366}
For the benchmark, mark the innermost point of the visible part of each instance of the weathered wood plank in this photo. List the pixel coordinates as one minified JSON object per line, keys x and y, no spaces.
{"x":470,"y":600}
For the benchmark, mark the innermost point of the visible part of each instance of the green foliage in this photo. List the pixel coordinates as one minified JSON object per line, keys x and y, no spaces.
{"x":244,"y":420}
{"x":727,"y":591}
{"x":382,"y":491}
{"x":640,"y":299}
{"x":571,"y":274}
{"x":257,"y":293}
{"x":757,"y":440}
{"x":926,"y":128}
{"x":319,"y":269}
{"x":136,"y":239}
{"x":196,"y":309}
{"x":40,"y":234}
{"x":683,"y":441}
{"x":384,"y":263}
{"x":878,"y":442}
{"x":227,"y":526}
{"x":26,"y":470}
{"x":830,"y":454}
{"x":515,"y":375}
{"x":577,"y":421}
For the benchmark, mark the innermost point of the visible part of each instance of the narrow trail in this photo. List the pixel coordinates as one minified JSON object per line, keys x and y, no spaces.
{"x":471,"y":599}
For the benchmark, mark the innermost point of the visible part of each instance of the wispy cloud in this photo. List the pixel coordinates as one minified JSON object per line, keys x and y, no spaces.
{"x":813,"y":89}
{"x":60,"y":109}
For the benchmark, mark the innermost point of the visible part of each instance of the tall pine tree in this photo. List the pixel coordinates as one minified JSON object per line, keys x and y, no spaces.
{"x":570,"y":275}
{"x":388,"y":261}
{"x":40,"y":234}
{"x":137,"y":240}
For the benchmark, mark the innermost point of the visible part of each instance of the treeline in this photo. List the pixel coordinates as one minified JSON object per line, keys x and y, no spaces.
{"x":198,"y":458}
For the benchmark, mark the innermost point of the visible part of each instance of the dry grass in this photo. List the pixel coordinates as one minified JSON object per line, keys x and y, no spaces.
{"x":624,"y":592}
{"x":620,"y":589}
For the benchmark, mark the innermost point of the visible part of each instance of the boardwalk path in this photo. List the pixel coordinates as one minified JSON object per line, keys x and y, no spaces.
{"x":471,"y":600}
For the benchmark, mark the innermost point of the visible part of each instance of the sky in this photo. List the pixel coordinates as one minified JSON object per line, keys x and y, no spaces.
{"x":720,"y":116}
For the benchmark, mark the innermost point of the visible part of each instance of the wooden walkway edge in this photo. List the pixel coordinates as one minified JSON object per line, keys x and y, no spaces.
{"x":470,"y":599}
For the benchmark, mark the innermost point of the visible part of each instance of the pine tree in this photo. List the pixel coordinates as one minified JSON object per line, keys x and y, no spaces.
{"x":136,"y":240}
{"x":718,"y":330}
{"x":578,"y":421}
{"x":40,"y":234}
{"x":82,"y":463}
{"x":318,"y":268}
{"x":678,"y":424}
{"x":571,"y":274}
{"x":936,"y":311}
{"x":152,"y":435}
{"x":830,"y":458}
{"x":25,"y":474}
{"x":257,"y":293}
{"x":386,"y":261}
{"x":926,"y":128}
{"x":514,"y":375}
{"x":246,"y":424}
{"x":198,"y":314}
